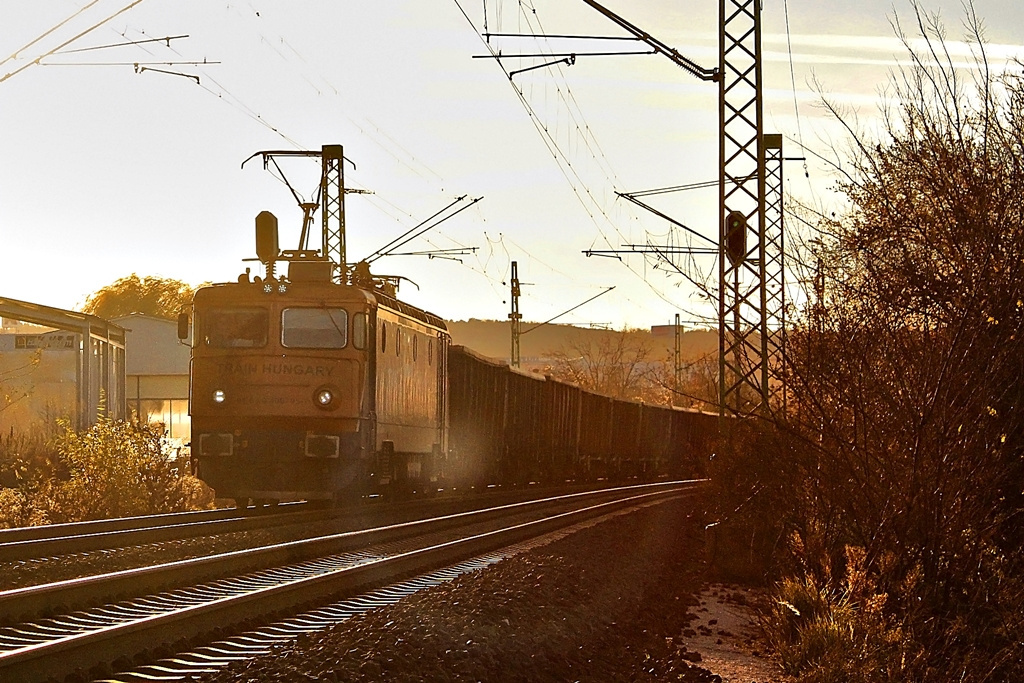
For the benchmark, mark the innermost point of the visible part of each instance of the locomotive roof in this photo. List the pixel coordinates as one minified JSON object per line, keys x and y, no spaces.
{"x":252,"y":292}
{"x":408,"y":309}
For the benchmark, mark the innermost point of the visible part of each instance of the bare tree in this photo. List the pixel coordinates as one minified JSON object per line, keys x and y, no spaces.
{"x":619,"y":365}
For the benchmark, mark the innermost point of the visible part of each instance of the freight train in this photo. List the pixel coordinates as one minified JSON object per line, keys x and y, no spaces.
{"x":313,"y":386}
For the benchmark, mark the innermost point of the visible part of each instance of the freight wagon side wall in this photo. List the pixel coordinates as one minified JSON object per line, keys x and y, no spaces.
{"x":514,"y":427}
{"x":694,"y":439}
{"x":477,"y":390}
{"x":656,"y":440}
{"x":561,"y":430}
{"x":596,"y":427}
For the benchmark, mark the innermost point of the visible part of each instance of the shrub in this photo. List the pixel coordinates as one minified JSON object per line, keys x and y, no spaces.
{"x":833,"y":632}
{"x":112,"y":469}
{"x":120,"y":469}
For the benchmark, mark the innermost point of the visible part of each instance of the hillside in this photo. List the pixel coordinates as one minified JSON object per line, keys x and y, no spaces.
{"x":492,"y":338}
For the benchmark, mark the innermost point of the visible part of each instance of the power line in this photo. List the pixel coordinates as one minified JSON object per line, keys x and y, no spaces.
{"x":367,"y":127}
{"x":165,"y":39}
{"x":579,"y":187}
{"x":134,"y":64}
{"x":569,"y":310}
{"x":397,"y":242}
{"x":568,"y":169}
{"x":406,"y":238}
{"x":169,"y":73}
{"x":529,"y":55}
{"x":32,"y":42}
{"x":71,"y":40}
{"x":675,"y":188}
{"x":792,"y":80}
{"x":488,"y":36}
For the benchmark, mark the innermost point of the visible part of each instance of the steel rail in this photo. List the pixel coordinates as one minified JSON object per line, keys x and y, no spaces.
{"x":111,"y":634}
{"x":53,"y":540}
{"x":208,"y":658}
{"x":174,"y":527}
{"x":19,"y":604}
{"x":42,"y":532}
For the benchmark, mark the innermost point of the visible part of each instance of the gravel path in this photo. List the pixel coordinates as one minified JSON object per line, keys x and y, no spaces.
{"x":609,"y":603}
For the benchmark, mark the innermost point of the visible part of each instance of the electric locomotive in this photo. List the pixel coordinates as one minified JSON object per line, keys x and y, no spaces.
{"x":313,"y":386}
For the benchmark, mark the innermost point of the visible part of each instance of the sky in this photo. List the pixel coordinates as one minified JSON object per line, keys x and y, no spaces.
{"x":111,"y":165}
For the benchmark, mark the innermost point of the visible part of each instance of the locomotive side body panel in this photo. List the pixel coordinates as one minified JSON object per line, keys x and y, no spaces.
{"x":410,"y":412}
{"x":407,"y":385}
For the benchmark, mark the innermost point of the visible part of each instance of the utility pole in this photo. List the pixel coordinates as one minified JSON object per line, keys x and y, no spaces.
{"x":332,"y":193}
{"x":751,"y":286}
{"x":750,"y":278}
{"x":331,"y":199}
{"x":515,"y":316}
{"x":774,"y":269}
{"x":677,"y":357}
{"x":751,"y":274}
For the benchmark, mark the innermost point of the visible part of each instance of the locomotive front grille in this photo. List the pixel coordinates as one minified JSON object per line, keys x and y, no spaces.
{"x":322,"y":446}
{"x":218,"y":444}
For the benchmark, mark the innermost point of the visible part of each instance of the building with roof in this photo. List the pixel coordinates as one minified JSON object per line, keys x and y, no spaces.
{"x":156,"y":373}
{"x":58,"y":363}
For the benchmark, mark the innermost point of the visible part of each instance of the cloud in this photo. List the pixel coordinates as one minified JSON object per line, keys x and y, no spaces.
{"x":876,"y":50}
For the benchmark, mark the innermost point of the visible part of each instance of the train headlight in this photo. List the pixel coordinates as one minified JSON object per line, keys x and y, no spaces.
{"x":218,"y":396}
{"x":326,"y":397}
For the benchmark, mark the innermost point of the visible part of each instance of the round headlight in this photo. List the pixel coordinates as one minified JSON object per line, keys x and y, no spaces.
{"x":325,"y":397}
{"x":218,"y":396}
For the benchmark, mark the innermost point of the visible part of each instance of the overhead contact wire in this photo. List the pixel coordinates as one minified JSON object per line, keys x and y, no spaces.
{"x":792,"y":80}
{"x":559,"y":156}
{"x":14,"y":55}
{"x":71,"y":40}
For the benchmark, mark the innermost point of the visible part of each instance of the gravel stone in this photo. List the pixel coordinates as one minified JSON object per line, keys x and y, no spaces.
{"x":608,"y":603}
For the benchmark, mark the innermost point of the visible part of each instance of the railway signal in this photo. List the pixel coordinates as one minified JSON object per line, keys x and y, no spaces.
{"x":736,"y":237}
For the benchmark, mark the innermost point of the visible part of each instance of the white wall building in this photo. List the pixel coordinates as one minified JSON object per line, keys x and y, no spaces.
{"x":156,"y":373}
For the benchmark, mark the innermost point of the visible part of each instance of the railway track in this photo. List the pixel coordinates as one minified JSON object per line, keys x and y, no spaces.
{"x":62,"y":539}
{"x":260,"y":642}
{"x":75,"y":624}
{"x":63,"y":551}
{"x":38,"y":533}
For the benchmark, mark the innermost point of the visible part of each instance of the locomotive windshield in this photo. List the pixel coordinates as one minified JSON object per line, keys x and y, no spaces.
{"x":314,"y":328}
{"x":232,"y":328}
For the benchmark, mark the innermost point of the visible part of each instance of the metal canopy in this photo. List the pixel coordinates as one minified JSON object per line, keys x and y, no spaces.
{"x":100,"y":373}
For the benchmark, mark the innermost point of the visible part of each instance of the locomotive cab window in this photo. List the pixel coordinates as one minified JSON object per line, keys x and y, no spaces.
{"x":233,"y":328}
{"x":359,"y":329}
{"x":314,"y":328}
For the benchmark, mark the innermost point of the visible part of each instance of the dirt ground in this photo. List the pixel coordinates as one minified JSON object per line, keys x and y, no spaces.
{"x":726,"y":635}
